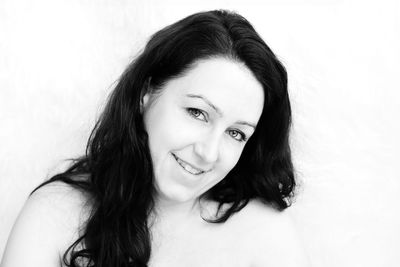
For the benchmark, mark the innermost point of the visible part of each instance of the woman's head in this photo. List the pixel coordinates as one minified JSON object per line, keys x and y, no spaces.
{"x":264,"y":169}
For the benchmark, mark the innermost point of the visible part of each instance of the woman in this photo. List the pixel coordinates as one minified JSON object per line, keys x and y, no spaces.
{"x":188,"y":164}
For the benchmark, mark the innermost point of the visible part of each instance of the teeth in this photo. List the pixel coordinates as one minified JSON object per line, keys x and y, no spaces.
{"x":187,"y":167}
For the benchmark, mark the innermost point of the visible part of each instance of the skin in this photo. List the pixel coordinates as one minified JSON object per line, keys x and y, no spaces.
{"x":196,"y":118}
{"x":256,"y":236}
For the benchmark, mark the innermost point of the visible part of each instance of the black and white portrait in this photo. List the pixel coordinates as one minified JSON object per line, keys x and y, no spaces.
{"x":208,"y":133}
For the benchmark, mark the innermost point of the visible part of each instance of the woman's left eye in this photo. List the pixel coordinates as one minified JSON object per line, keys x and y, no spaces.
{"x":197,"y":114}
{"x":237,"y":135}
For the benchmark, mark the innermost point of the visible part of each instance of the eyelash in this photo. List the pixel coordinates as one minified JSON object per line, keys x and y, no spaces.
{"x":191,"y":112}
{"x":243,"y":137}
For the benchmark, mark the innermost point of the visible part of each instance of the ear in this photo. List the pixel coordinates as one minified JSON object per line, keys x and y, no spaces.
{"x":144,"y":99}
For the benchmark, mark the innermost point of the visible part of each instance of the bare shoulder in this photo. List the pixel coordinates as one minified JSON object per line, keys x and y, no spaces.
{"x":271,"y":236}
{"x":48,"y":223}
{"x":64,"y":205}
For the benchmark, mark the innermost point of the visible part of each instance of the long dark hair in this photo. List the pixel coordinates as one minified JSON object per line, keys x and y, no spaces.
{"x":117,"y":162}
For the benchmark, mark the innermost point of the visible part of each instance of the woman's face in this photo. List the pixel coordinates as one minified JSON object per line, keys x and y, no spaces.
{"x":198,"y":126}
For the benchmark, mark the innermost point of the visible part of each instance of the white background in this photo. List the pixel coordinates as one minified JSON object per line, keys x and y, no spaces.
{"x":60,"y":59}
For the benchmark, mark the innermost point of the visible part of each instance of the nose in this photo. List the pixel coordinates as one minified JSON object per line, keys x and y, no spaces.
{"x":208,"y":149}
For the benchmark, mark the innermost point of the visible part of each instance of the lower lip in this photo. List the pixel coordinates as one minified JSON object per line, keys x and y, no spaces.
{"x":173,"y":155}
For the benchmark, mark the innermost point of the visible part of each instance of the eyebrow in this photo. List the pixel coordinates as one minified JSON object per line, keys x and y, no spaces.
{"x":218,"y":110}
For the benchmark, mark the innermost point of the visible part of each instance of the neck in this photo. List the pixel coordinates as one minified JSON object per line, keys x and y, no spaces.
{"x":166,"y":209}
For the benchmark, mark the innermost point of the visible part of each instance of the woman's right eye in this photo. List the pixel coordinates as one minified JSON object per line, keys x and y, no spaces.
{"x":197,"y":114}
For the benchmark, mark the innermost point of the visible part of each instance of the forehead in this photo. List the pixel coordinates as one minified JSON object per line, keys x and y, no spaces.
{"x":228,"y":84}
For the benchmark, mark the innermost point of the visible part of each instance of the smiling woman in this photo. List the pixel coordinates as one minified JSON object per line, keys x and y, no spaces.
{"x":195,"y":122}
{"x":188,"y":165}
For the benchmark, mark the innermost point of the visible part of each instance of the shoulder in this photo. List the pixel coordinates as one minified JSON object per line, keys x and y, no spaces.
{"x":47,"y":225}
{"x":63,"y":205}
{"x":270,"y":236}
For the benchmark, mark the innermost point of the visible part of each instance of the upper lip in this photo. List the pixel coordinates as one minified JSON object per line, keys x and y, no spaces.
{"x":193,"y":166}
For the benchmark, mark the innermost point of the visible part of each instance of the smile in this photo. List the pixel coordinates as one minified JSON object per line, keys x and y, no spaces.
{"x":187,"y":167}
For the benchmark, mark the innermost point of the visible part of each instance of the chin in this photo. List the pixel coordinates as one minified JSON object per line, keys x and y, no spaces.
{"x":176,"y":195}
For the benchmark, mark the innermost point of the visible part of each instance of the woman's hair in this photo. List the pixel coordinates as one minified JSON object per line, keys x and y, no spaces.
{"x":118,"y":164}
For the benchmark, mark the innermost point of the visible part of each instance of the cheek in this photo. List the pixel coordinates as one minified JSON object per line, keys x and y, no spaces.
{"x":167,"y":131}
{"x":229,"y":157}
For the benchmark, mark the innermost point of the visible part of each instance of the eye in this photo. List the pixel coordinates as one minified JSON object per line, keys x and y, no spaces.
{"x":197,"y":114}
{"x":237,"y":135}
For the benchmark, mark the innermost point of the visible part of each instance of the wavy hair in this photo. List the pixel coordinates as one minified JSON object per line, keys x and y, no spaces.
{"x":117,"y":161}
